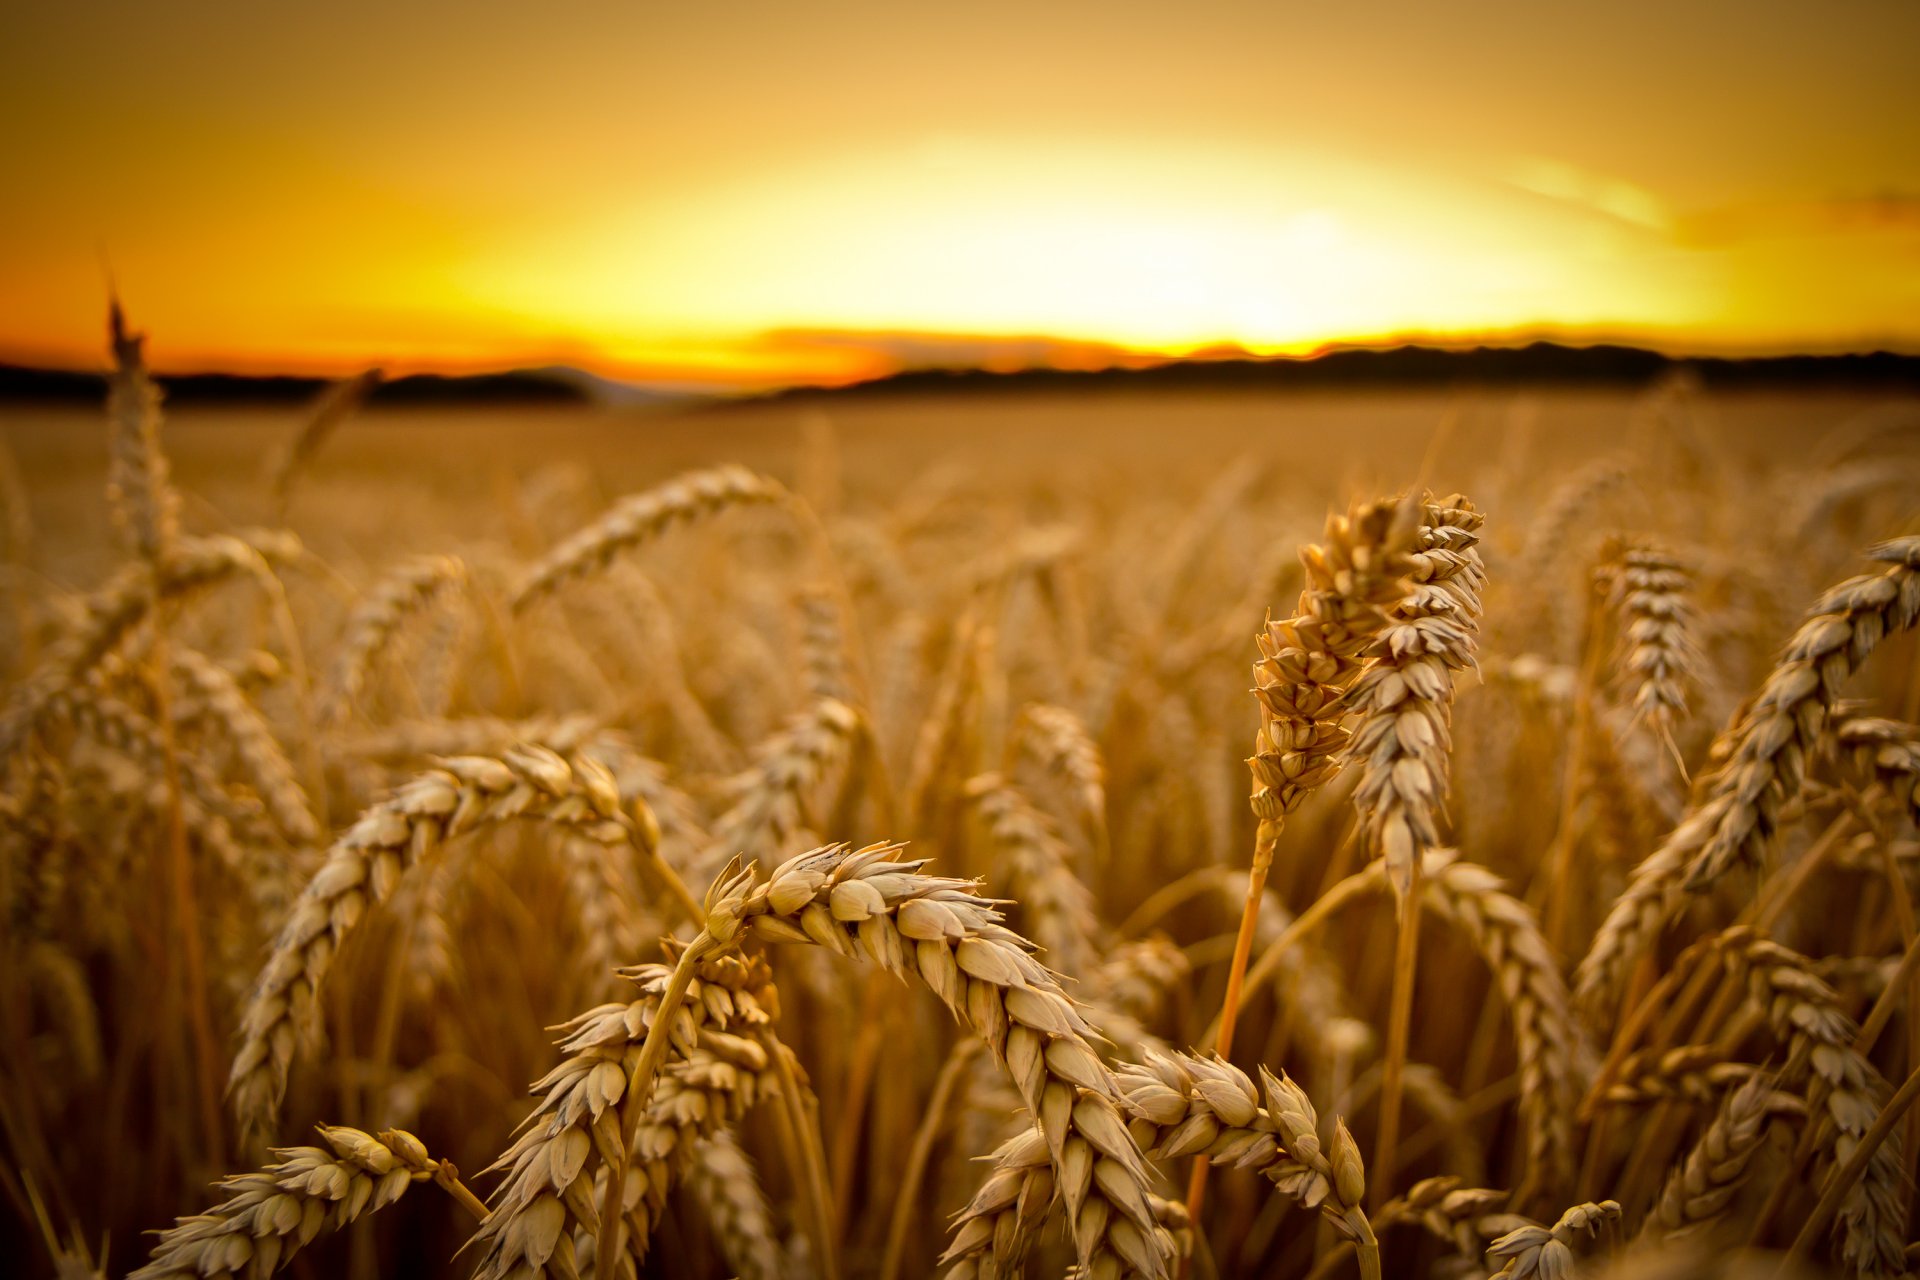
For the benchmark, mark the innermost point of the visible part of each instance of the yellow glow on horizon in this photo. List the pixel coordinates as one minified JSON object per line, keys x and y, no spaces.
{"x":944,"y":250}
{"x":1166,"y":250}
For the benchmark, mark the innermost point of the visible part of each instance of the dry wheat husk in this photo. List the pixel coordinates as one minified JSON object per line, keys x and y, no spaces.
{"x":271,"y":1215}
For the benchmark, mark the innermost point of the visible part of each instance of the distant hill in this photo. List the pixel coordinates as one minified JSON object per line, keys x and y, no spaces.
{"x":1411,"y":366}
{"x":1539,"y":362}
{"x":528,"y":386}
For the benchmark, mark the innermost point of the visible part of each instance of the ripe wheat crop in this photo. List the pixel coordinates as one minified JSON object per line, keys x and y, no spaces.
{"x":807,"y":863}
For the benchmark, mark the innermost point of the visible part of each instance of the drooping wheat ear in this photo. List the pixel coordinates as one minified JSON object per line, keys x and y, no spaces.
{"x":771,"y":797}
{"x":1037,"y":866}
{"x":1176,"y":1105}
{"x":1547,"y":1252}
{"x":119,"y":727}
{"x":1464,"y":1217}
{"x":113,"y":611}
{"x":364,"y":865}
{"x":143,"y":501}
{"x":1059,"y":743}
{"x":716,"y":1075}
{"x":1405,"y":696}
{"x":1694,"y":1072}
{"x":602,"y":893}
{"x":268,"y":770}
{"x":722,"y":1178}
{"x":1552,"y":1052}
{"x":641,"y":517}
{"x":270,"y":1215}
{"x":404,"y":592}
{"x":1137,"y":977}
{"x":1765,"y":752}
{"x":335,"y":405}
{"x":1658,"y":657}
{"x":1698,"y":1191}
{"x":908,"y":922}
{"x":1888,"y":751}
{"x":1844,"y":1094}
{"x":1197,"y":1106}
{"x":823,"y":645}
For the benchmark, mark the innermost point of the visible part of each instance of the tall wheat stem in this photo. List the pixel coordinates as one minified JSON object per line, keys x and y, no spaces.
{"x":646,"y":1071}
{"x":1406,"y":950}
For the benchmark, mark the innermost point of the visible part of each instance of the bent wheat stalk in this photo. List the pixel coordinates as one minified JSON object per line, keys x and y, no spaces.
{"x":364,"y":866}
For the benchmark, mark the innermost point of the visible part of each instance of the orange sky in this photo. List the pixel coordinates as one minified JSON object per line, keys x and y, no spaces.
{"x":756,"y":193}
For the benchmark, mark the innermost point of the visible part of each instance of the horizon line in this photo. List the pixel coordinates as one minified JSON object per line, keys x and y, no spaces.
{"x":890,"y":353}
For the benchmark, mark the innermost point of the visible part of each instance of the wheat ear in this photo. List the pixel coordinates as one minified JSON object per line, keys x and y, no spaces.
{"x":910,"y":923}
{"x":1699,"y":1188}
{"x":1766,"y":750}
{"x":1038,"y":868}
{"x":377,"y":617}
{"x":1179,"y":1105}
{"x":267,"y":768}
{"x":717,"y":1074}
{"x":640,"y":518}
{"x":362,"y":869}
{"x":1307,"y":664}
{"x":270,"y":1215}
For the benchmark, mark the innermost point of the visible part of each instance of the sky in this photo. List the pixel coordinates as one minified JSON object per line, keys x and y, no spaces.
{"x":755,"y":193}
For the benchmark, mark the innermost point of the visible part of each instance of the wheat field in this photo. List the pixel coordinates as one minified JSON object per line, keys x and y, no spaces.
{"x":1385,"y":834}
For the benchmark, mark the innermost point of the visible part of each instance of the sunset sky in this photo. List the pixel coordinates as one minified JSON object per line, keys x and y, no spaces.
{"x":750,"y":193}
